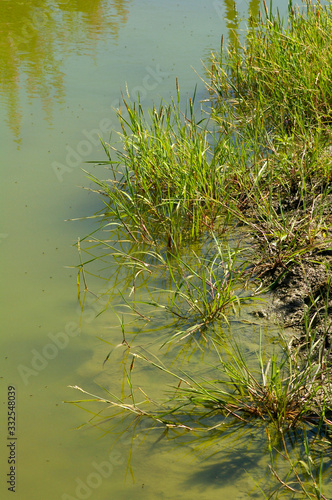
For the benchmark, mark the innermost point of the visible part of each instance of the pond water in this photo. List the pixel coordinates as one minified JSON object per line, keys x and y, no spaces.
{"x":63,"y":67}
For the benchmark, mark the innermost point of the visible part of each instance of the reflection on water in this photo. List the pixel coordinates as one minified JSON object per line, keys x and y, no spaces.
{"x":37,"y":36}
{"x":233,"y":19}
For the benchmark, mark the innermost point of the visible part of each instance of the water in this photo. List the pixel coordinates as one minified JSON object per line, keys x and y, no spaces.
{"x":63,"y":66}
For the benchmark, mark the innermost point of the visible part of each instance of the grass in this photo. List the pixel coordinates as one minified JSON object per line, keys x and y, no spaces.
{"x":165,"y":177}
{"x":275,"y":94}
{"x":255,"y":160}
{"x":197,"y":288}
{"x":208,"y":289}
{"x":274,"y":394}
{"x":282,"y":76}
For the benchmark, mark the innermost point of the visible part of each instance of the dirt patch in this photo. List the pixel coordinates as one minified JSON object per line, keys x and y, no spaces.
{"x":302,"y":298}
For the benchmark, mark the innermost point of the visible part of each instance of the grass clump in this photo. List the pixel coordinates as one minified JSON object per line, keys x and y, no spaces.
{"x":259,"y":157}
{"x":274,"y":394}
{"x":274,"y":93}
{"x":197,"y":288}
{"x":262,"y":148}
{"x":282,"y":76}
{"x":166,"y":177}
{"x":208,"y":289}
{"x":275,"y":391}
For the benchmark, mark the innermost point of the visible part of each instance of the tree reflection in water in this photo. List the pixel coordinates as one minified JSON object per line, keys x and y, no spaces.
{"x":36,"y":38}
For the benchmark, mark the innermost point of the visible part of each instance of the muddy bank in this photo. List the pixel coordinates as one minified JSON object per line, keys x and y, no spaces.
{"x":301,"y":298}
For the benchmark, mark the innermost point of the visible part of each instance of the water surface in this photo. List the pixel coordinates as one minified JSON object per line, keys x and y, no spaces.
{"x":63,"y":67}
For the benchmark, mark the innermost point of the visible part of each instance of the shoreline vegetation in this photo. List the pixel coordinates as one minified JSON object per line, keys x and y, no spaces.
{"x":221,"y":204}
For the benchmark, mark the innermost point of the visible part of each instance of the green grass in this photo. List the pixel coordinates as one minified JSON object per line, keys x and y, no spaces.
{"x":282,"y":75}
{"x":255,"y":161}
{"x":165,"y":176}
{"x":197,"y":288}
{"x":262,"y":148}
{"x":273,"y":394}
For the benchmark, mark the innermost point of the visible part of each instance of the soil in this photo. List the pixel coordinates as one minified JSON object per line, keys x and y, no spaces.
{"x":302,"y":296}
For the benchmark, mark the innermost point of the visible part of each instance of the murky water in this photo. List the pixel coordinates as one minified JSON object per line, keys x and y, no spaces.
{"x":63,"y":66}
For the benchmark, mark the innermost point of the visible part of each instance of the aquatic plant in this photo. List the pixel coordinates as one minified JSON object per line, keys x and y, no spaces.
{"x":273,"y":96}
{"x":275,"y":394}
{"x":198,"y":288}
{"x":165,"y":175}
{"x":281,"y":76}
{"x":258,"y":157}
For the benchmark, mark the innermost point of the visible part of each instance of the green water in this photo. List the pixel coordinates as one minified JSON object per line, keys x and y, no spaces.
{"x":63,"y":66}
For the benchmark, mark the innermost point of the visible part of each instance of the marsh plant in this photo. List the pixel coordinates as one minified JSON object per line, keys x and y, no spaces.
{"x":254,"y":160}
{"x":274,"y":93}
{"x":165,"y":176}
{"x":209,"y":289}
{"x":197,"y":288}
{"x":282,"y":75}
{"x":274,"y":394}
